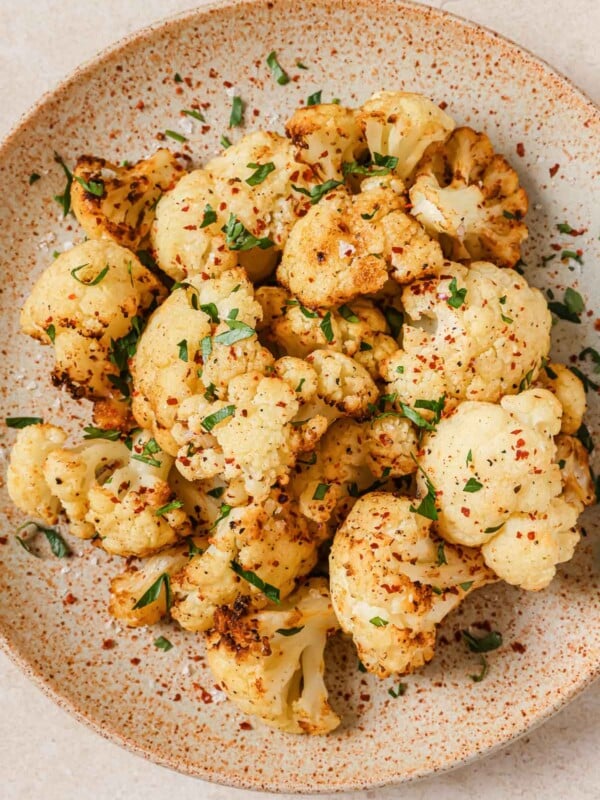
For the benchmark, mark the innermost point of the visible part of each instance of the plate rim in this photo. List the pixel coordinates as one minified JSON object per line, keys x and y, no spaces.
{"x":11,"y":648}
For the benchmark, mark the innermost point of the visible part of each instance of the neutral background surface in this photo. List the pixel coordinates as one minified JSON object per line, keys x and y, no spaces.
{"x":45,"y":753}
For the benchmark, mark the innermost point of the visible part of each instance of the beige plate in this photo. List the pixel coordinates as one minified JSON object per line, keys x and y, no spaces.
{"x":164,"y":705}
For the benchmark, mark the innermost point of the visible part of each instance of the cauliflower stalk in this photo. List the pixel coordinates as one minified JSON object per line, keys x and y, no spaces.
{"x":270,"y":662}
{"x":392,"y":583}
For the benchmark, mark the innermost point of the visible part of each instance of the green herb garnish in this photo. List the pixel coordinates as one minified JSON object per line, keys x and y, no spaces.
{"x":174,"y":504}
{"x":208,"y":423}
{"x":272,"y":592}
{"x":152,"y":594}
{"x":277,"y":70}
{"x":162,"y":644}
{"x":260,"y":172}
{"x":23,"y":422}
{"x":112,"y":434}
{"x":318,"y":191}
{"x":95,"y":281}
{"x":239,"y":238}
{"x":378,"y":622}
{"x":237,"y":112}
{"x":472,"y":485}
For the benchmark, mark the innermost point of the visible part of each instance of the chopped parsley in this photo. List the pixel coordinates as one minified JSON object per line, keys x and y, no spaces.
{"x":389,"y":162}
{"x":572,"y":255}
{"x":314,"y":99}
{"x":277,"y":70}
{"x":179,"y":137}
{"x":183,"y":349}
{"x":477,"y":678}
{"x":64,"y":199}
{"x":51,"y":333}
{"x":326,"y":327}
{"x":482,"y":644}
{"x":58,"y":546}
{"x":526,"y":382}
{"x":225,"y":142}
{"x":494,"y":528}
{"x":441,"y":554}
{"x":237,"y":331}
{"x":211,"y":311}
{"x":237,"y":112}
{"x":260,"y":172}
{"x":318,"y":191}
{"x":23,"y":422}
{"x":426,"y":507}
{"x":289,"y":631}
{"x":585,"y":438}
{"x":394,"y":320}
{"x":469,"y":457}
{"x":347,"y":313}
{"x":112,"y":434}
{"x":177,"y":78}
{"x":209,"y":216}
{"x":570,"y":308}
{"x":148,"y":452}
{"x":152,"y":594}
{"x":93,"y":187}
{"x":378,"y":622}
{"x":271,"y":592}
{"x":321,"y":491}
{"x":95,"y":281}
{"x":217,"y":492}
{"x":33,"y":178}
{"x":208,"y":423}
{"x":564,"y":227}
{"x":206,"y":347}
{"x":121,"y":350}
{"x":466,"y":585}
{"x":399,"y":692}
{"x":457,"y":296}
{"x":174,"y":504}
{"x":162,"y":644}
{"x":472,"y":485}
{"x":371,"y":215}
{"x":237,"y":237}
{"x":416,"y":418}
{"x":191,"y":112}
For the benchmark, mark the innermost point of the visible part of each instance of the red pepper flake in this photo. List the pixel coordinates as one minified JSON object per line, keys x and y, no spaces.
{"x":172,"y":401}
{"x":518,"y":647}
{"x":531,"y":536}
{"x":205,"y":696}
{"x":443,"y":105}
{"x":556,"y":247}
{"x":365,"y":697}
{"x":553,"y":170}
{"x":140,"y":105}
{"x":108,"y":644}
{"x":69,"y":599}
{"x":521,"y":455}
{"x":3,"y":539}
{"x":520,"y":442}
{"x":466,"y":512}
{"x":177,"y":698}
{"x":520,"y":149}
{"x":135,"y":661}
{"x":246,"y":726}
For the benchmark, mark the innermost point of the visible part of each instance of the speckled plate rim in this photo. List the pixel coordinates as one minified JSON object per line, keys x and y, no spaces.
{"x":40,"y":680}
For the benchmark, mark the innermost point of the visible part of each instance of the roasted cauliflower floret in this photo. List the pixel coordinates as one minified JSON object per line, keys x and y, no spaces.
{"x":574,"y":464}
{"x":184,"y":351}
{"x":392,"y":443}
{"x":474,"y":334}
{"x":346,"y":245}
{"x":248,"y":437}
{"x":270,"y":662}
{"x":141,"y":595}
{"x":186,"y":234}
{"x":392,"y":582}
{"x":470,"y":197}
{"x":326,"y":136}
{"x":26,"y":474}
{"x":257,"y":551}
{"x":86,"y":299}
{"x":402,"y":125}
{"x":135,"y":511}
{"x":118,"y":202}
{"x":493,"y":472}
{"x":344,"y":387}
{"x":570,"y":392}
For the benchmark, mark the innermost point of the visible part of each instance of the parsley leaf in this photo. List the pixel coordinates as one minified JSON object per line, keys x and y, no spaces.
{"x":174,"y":504}
{"x":209,"y":217}
{"x":237,"y":112}
{"x":183,"y":349}
{"x":457,"y":296}
{"x":93,"y":187}
{"x":482,"y":644}
{"x":289,"y":631}
{"x":179,"y":137}
{"x":272,"y":592}
{"x":318,"y":191}
{"x":112,"y":434}
{"x":95,"y":281}
{"x":152,"y":594}
{"x":379,"y":622}
{"x":64,"y":199}
{"x":347,"y":313}
{"x":260,"y":172}
{"x":22,"y":422}
{"x":191,"y":112}
{"x":162,"y":644}
{"x":394,"y":320}
{"x":208,"y":423}
{"x":237,"y":331}
{"x":326,"y":327}
{"x":321,"y":491}
{"x":150,"y":448}
{"x":277,"y":70}
{"x":484,"y":670}
{"x":472,"y":485}
{"x":57,"y":544}
{"x":399,"y":692}
{"x":441,"y":554}
{"x":237,"y":237}
{"x":570,"y":308}
{"x":314,"y":99}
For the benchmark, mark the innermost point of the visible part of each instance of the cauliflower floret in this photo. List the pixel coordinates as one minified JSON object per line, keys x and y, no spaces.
{"x":402,"y":125}
{"x":270,"y":663}
{"x":344,"y":387}
{"x":392,"y":583}
{"x":570,"y":392}
{"x":326,"y":136}
{"x":118,"y":202}
{"x":135,"y":511}
{"x":87,"y":298}
{"x":258,"y":551}
{"x":471,"y":198}
{"x":574,"y":464}
{"x":248,"y":437}
{"x":26,"y":473}
{"x":347,"y":244}
{"x":182,"y":353}
{"x":392,"y":443}
{"x":474,"y":334}
{"x":141,"y":595}
{"x":493,"y":474}
{"x":71,"y":472}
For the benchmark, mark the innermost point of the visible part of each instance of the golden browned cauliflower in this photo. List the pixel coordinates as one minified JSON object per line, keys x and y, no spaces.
{"x":574,"y":464}
{"x":570,"y":392}
{"x":118,"y":202}
{"x":346,"y":245}
{"x":491,"y":470}
{"x":402,"y":125}
{"x":141,"y":594}
{"x":473,"y":334}
{"x":194,"y":343}
{"x":326,"y":136}
{"x":470,"y":197}
{"x":270,"y":662}
{"x":256,"y":551}
{"x":392,"y":583}
{"x":89,"y":297}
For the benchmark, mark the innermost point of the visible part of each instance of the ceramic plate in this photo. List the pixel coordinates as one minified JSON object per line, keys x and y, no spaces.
{"x":53,"y":613}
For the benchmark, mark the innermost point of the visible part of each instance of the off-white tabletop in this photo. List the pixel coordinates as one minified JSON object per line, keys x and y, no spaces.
{"x":43,"y":751}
